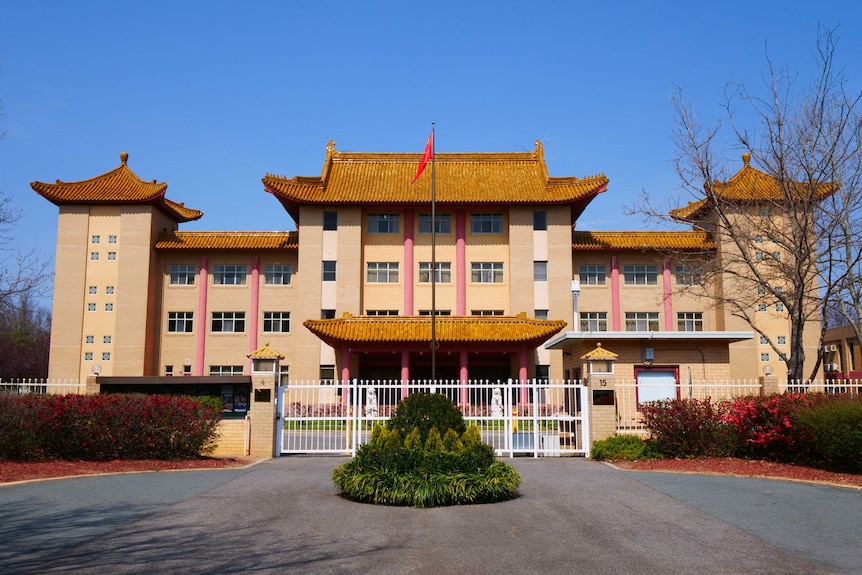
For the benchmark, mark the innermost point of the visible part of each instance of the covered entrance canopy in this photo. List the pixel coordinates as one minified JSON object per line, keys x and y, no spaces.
{"x":468,"y":347}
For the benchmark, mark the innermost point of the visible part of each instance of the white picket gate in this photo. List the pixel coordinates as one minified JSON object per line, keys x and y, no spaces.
{"x":532,"y":417}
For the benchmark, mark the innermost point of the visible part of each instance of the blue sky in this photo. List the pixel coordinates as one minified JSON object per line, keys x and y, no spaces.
{"x":210,"y":96}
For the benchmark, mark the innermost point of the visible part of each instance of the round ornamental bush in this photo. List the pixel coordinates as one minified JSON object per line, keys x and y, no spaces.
{"x":424,"y":411}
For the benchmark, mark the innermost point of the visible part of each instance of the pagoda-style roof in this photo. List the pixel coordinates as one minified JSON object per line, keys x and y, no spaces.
{"x":599,"y":354}
{"x":452,"y":329}
{"x":174,"y":240}
{"x":119,"y":186}
{"x":750,"y":185}
{"x":674,"y":240}
{"x":265,"y":352}
{"x":384,"y":178}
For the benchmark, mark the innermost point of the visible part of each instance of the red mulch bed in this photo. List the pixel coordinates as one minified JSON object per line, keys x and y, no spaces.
{"x":28,"y":470}
{"x":745,"y":468}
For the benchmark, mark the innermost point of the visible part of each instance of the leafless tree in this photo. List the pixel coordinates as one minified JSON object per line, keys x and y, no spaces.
{"x":777,"y":243}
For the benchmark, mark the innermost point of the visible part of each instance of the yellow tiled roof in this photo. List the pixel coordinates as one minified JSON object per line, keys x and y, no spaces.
{"x":751,"y":185}
{"x":676,"y":240}
{"x":448,"y":329}
{"x":119,"y":186}
{"x":475,"y":178}
{"x":265,"y":352}
{"x":227,"y":241}
{"x":599,"y":353}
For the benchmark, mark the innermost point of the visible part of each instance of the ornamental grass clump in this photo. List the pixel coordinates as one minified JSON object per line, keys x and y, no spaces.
{"x":410,"y":462}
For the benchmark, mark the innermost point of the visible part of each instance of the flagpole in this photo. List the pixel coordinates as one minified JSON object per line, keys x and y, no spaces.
{"x":433,"y":266}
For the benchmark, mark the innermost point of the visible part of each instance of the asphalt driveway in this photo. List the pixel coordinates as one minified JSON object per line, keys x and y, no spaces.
{"x":284,"y":516}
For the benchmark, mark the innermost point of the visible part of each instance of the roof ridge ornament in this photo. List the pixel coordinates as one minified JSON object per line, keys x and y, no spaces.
{"x":746,"y":158}
{"x":124,"y":158}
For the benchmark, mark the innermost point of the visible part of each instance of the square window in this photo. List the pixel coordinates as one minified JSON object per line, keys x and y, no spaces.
{"x":328,"y":270}
{"x":94,"y":256}
{"x":486,"y":223}
{"x":764,"y":357}
{"x":540,"y":220}
{"x":112,"y":239}
{"x":782,"y":340}
{"x":764,"y":340}
{"x":228,"y":322}
{"x":761,"y":290}
{"x":381,"y":272}
{"x":758,"y":239}
{"x":106,"y":356}
{"x":276,"y":322}
{"x":112,"y":255}
{"x":594,"y":321}
{"x":180,"y":321}
{"x":776,"y":256}
{"x":229,"y":275}
{"x":89,"y":339}
{"x":109,"y":307}
{"x":540,"y":271}
{"x":277,"y":274}
{"x":443,"y":275}
{"x":182,"y":274}
{"x":641,"y":275}
{"x":592,"y":275}
{"x":761,"y":307}
{"x":758,"y":256}
{"x":106,"y":339}
{"x":95,"y":239}
{"x":92,"y":290}
{"x":383,"y":224}
{"x":330,"y":221}
{"x":109,"y":290}
{"x":486,"y":272}
{"x":444,"y":224}
{"x":779,"y":307}
{"x":88,"y":356}
{"x":91,"y":307}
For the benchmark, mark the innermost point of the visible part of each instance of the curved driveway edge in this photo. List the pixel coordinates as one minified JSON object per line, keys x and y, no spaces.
{"x":284,"y":516}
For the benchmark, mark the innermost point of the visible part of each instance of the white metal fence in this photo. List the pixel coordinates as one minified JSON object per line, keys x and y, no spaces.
{"x":537,"y":418}
{"x":41,"y":386}
{"x":629,"y":395}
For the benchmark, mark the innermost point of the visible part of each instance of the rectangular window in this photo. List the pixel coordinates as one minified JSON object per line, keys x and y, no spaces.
{"x":688,"y":275}
{"x":591,"y":275}
{"x":642,"y":321}
{"x":594,"y":321}
{"x":283,"y":374}
{"x":94,"y":256}
{"x":112,"y":255}
{"x":328,"y":270}
{"x":540,"y":271}
{"x":228,"y":321}
{"x":330,"y":221}
{"x":763,"y":211}
{"x":169,"y":371}
{"x":540,"y":220}
{"x":486,"y":312}
{"x":106,"y":339}
{"x":381,"y":312}
{"x":95,"y":239}
{"x":277,"y":274}
{"x":327,"y":374}
{"x":641,"y":275}
{"x":381,"y":272}
{"x":689,"y":321}
{"x":383,"y":224}
{"x":486,"y":223}
{"x":327,"y":314}
{"x":225,"y":370}
{"x":443,"y":276}
{"x":187,"y":370}
{"x":112,"y":239}
{"x":541,"y":314}
{"x":92,"y":290}
{"x":180,"y":322}
{"x":438,"y":312}
{"x":88,"y":356}
{"x":444,"y":224}
{"x":109,"y":307}
{"x":182,"y":274}
{"x":486,"y":272}
{"x":276,"y":322}
{"x":229,"y":275}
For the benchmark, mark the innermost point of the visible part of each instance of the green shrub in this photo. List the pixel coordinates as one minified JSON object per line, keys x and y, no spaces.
{"x":622,"y":447}
{"x":18,"y":427}
{"x":688,"y":428}
{"x":832,"y":430}
{"x":426,"y":410}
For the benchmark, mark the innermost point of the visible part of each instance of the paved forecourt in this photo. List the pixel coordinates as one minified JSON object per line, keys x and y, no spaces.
{"x":284,"y":516}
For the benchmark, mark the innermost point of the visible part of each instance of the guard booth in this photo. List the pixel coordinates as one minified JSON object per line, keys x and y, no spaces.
{"x":599,"y":369}
{"x":262,"y":415}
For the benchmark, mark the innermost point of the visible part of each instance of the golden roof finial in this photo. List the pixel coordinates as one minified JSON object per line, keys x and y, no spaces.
{"x":746,"y":158}
{"x":124,"y":157}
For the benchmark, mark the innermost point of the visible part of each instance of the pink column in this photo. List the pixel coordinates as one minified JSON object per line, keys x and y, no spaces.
{"x":524,"y":394}
{"x":202,"y":317}
{"x":460,"y":263}
{"x":615,"y":294}
{"x":255,"y":305}
{"x":405,"y":373}
{"x":408,"y":263}
{"x":345,"y":375}
{"x":668,"y":303}
{"x":464,"y":397}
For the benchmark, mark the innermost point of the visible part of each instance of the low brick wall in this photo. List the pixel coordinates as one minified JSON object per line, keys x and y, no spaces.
{"x":232,"y":438}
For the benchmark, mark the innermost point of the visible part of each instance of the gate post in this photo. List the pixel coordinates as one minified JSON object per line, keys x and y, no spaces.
{"x":279,"y":419}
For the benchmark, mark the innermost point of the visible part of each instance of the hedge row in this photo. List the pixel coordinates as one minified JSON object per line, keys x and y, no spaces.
{"x":106,"y":427}
{"x":817,"y":429}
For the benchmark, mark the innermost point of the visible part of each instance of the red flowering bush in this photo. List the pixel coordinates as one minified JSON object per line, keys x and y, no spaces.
{"x":105,"y":427}
{"x":688,"y":427}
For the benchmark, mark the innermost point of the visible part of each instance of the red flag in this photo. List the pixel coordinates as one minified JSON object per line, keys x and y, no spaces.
{"x":429,"y":147}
